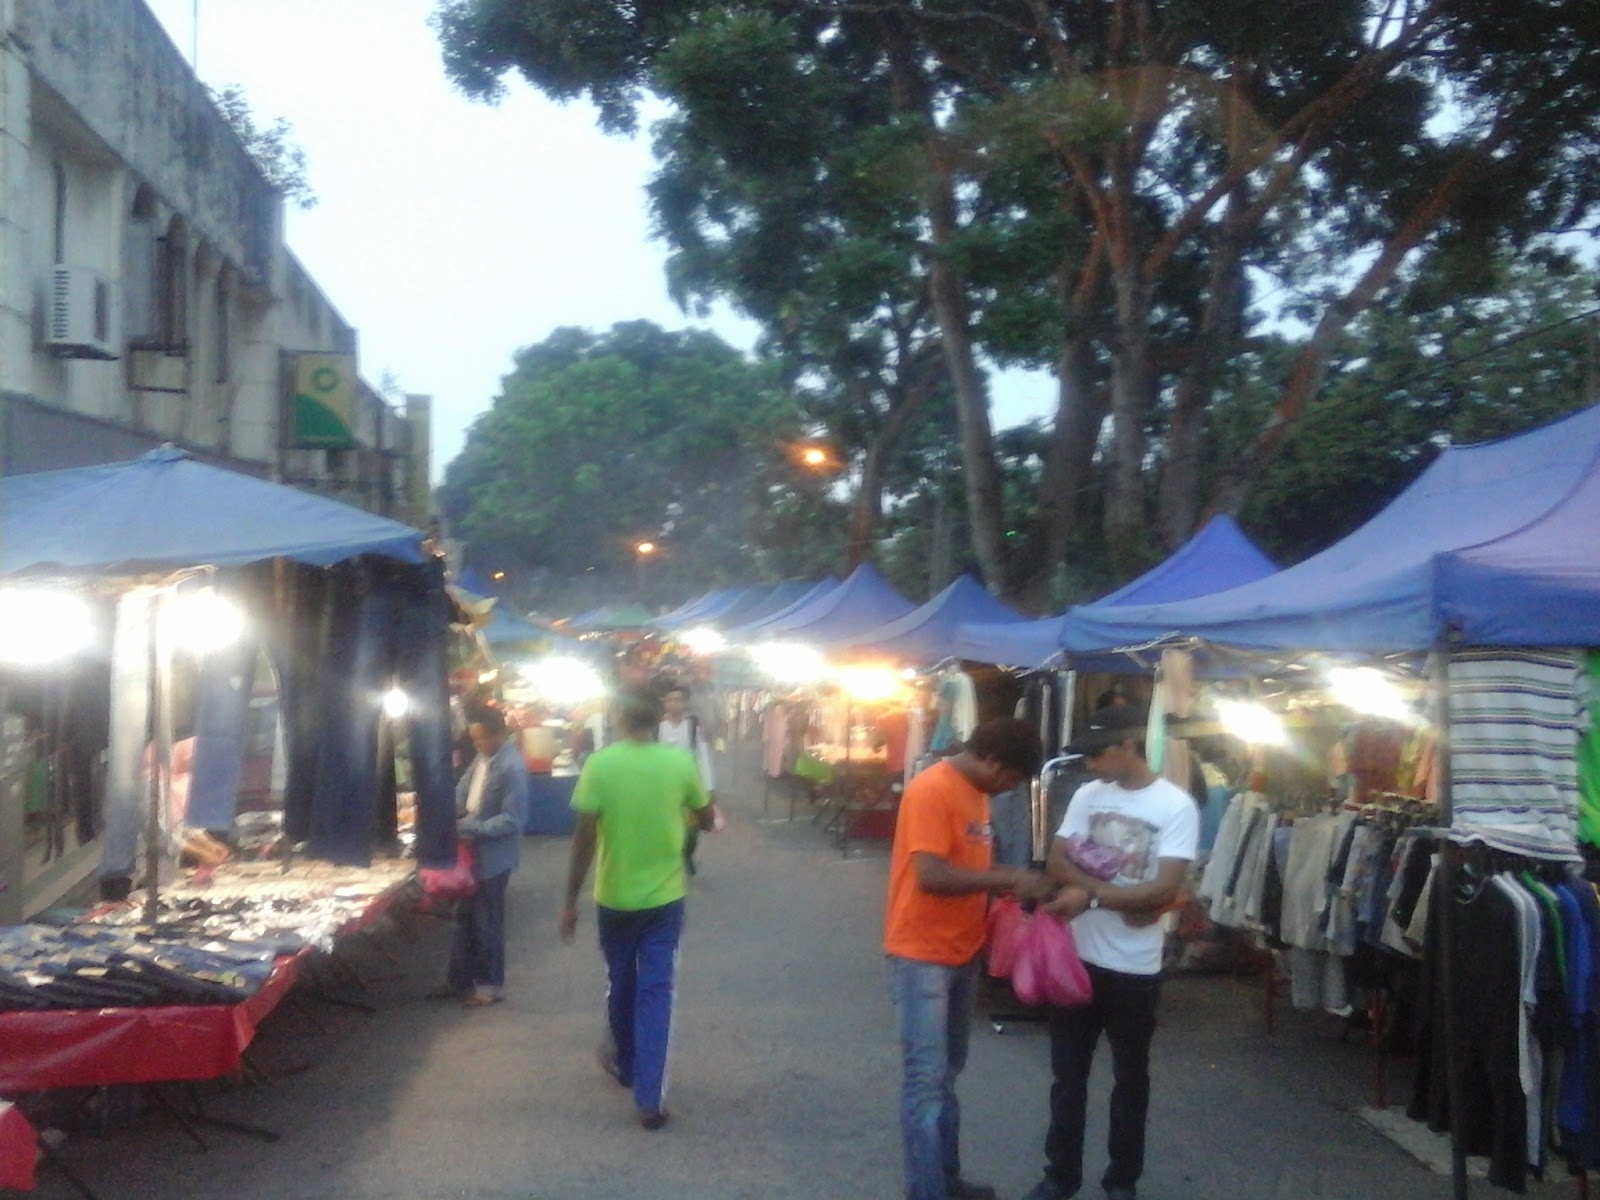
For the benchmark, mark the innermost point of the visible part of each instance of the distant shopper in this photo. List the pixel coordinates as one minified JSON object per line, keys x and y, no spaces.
{"x":1122,"y":851}
{"x":940,"y":879}
{"x":632,"y":801}
{"x":681,"y":728}
{"x":491,"y":803}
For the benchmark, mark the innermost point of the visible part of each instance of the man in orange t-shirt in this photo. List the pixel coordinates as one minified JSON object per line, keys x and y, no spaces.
{"x":941,"y":875}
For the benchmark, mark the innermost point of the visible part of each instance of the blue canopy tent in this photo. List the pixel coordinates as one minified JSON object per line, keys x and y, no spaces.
{"x":504,"y":628}
{"x":926,"y":634}
{"x":609,"y":618}
{"x":167,"y":510}
{"x":700,"y":610}
{"x":1217,"y":558}
{"x":374,"y":610}
{"x":863,"y":601}
{"x":779,"y":601}
{"x":1495,"y":541}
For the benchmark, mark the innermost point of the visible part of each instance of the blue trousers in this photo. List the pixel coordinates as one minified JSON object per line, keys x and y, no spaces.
{"x":478,"y":951}
{"x":933,"y":1006}
{"x":641,"y":953}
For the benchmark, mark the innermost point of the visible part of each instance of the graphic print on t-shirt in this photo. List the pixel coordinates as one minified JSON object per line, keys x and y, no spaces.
{"x":1117,"y":845}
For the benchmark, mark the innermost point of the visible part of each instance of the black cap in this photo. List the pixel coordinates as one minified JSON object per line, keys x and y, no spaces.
{"x":1110,"y":726}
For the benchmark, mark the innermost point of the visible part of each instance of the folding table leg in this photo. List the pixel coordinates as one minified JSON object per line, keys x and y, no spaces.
{"x":60,"y":1164}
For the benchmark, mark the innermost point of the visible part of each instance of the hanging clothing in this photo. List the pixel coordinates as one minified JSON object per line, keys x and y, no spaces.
{"x":1516,"y":719}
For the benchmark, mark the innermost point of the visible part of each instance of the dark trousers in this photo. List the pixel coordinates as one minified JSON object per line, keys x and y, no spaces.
{"x":478,"y":951}
{"x":1124,"y":1006}
{"x":641,"y":952}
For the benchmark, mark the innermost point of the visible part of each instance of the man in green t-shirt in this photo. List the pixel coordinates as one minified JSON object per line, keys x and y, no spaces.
{"x":631,"y":801}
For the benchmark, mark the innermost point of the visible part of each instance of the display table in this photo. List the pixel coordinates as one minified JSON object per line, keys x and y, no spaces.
{"x":41,"y":1049}
{"x":19,"y":1149}
{"x":92,"y":1047}
{"x":550,"y":805}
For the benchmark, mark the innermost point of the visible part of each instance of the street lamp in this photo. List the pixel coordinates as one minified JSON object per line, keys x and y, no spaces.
{"x":641,"y":552}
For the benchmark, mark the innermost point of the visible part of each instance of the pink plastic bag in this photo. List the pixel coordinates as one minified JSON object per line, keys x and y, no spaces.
{"x":451,"y":883}
{"x":1004,"y":924}
{"x":1047,"y":969}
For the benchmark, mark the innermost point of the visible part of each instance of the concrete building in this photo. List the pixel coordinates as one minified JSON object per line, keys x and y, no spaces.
{"x":147,"y":296}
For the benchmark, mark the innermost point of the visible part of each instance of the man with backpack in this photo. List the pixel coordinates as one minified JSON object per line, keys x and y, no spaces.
{"x":680,"y":727}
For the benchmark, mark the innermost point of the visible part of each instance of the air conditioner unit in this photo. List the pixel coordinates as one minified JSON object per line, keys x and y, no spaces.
{"x":81,"y":322}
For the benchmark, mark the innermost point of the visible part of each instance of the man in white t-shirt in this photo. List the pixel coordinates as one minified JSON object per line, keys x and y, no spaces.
{"x":680,"y":727}
{"x":1121,"y":853}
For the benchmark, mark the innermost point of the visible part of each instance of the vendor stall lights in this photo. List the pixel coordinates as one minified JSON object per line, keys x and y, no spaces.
{"x":1252,"y":723}
{"x":1370,"y":692}
{"x":790,"y":662}
{"x":42,"y":625}
{"x":871,"y":685}
{"x":703,"y":640}
{"x":565,"y":681}
{"x":203,"y":622}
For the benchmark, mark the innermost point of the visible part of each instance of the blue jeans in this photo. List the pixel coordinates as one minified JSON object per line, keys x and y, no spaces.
{"x":933,"y":1006}
{"x":641,"y":953}
{"x":478,"y":951}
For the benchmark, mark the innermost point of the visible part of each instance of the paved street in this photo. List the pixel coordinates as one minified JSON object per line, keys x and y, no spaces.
{"x":783,"y":1074}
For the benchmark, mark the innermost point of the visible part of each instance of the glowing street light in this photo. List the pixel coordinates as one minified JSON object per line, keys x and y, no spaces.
{"x":645,"y":549}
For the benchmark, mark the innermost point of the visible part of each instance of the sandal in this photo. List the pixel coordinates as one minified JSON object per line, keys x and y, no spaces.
{"x":479,"y":1000}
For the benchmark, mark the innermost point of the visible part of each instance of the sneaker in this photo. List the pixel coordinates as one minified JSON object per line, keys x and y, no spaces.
{"x":652,"y":1118}
{"x":1047,"y":1189}
{"x":965,"y":1189}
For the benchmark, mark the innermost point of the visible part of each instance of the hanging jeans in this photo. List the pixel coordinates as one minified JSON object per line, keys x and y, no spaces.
{"x":933,"y":1005}
{"x":1124,"y":1006}
{"x":478,"y":952}
{"x":641,"y":953}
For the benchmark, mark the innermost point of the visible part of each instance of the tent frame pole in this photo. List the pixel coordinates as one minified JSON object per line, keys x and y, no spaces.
{"x":1445,"y":903}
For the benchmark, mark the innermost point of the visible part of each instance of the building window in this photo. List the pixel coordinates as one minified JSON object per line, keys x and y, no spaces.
{"x":58,"y":175}
{"x":139,"y":267}
{"x":223,"y":323}
{"x":172,"y":283}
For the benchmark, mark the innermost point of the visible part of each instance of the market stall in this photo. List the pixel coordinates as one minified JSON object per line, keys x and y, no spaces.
{"x":1217,"y":558}
{"x":1479,"y":585}
{"x":346,"y":605}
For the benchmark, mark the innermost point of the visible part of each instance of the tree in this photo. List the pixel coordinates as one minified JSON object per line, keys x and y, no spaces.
{"x":1411,"y":377}
{"x":1187,"y":176}
{"x":599,"y":442}
{"x":281,"y":161}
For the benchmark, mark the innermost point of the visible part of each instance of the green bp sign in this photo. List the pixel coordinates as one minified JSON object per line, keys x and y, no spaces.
{"x":324,"y":401}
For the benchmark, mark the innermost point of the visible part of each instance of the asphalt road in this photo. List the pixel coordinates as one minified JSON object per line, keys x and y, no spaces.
{"x":783,"y":1073}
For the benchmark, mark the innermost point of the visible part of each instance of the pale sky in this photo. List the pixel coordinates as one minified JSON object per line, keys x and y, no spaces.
{"x":449,"y":232}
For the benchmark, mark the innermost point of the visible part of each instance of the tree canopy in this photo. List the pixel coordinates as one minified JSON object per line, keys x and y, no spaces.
{"x":1138,"y":194}
{"x":598,"y":442}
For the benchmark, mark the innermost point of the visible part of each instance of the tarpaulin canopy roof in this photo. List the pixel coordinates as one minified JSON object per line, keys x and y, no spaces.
{"x":926,"y":634}
{"x":1219,"y":557}
{"x":165,"y":510}
{"x":629,"y":615}
{"x":764,"y":603}
{"x":863,"y":601}
{"x":505,"y":628}
{"x":1497,"y":540}
{"x":701,"y":608}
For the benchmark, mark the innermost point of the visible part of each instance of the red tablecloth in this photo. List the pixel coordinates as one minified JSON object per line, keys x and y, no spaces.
{"x":89,"y":1047}
{"x":19,"y":1149}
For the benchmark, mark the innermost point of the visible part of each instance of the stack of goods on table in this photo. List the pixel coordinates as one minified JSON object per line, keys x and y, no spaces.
{"x":83,"y":966}
{"x":214,"y":940}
